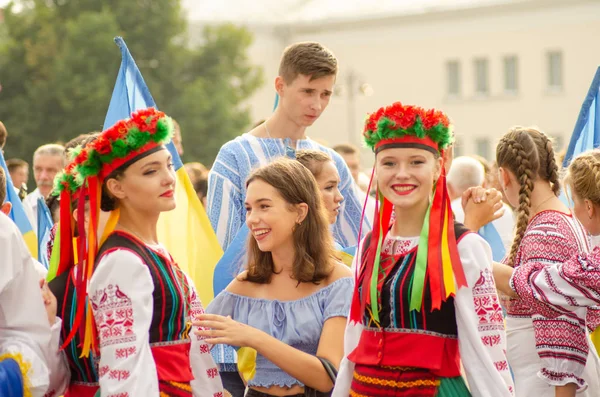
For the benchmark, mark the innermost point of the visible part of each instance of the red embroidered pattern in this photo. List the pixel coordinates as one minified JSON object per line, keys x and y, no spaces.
{"x":402,"y":246}
{"x":113,"y":312}
{"x":125,"y":352}
{"x":119,"y":374}
{"x":487,"y":306}
{"x":204,"y":348}
{"x":212,"y":373}
{"x":551,"y":237}
{"x":501,"y":365}
{"x":103,"y":371}
{"x":219,"y":394}
{"x":491,"y":340}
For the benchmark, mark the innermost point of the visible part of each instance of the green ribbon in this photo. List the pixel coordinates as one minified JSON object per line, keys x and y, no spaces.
{"x":418,"y":281}
{"x":376,"y":265}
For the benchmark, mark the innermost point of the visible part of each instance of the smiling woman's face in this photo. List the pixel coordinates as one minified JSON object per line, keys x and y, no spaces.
{"x":406,"y":175}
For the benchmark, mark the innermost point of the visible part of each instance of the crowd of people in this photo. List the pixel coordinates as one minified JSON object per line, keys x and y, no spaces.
{"x":428,"y":275}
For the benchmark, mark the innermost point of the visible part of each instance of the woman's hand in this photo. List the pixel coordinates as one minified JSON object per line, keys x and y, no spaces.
{"x":49,"y":301}
{"x":481,"y":206}
{"x":223,"y":330}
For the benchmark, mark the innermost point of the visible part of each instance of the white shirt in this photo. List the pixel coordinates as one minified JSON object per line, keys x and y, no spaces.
{"x":124,"y":278}
{"x":505,"y":225}
{"x":30,"y":204}
{"x":24,"y":328}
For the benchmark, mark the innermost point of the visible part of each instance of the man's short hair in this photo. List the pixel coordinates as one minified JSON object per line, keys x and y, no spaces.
{"x":3,"y":135}
{"x":2,"y":186}
{"x":309,"y":59}
{"x":50,"y":149}
{"x":13,"y":164}
{"x":465,"y":172}
{"x":345,"y":148}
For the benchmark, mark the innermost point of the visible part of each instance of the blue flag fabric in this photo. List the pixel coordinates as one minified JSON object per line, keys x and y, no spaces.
{"x":17,"y":212}
{"x":185,"y":231}
{"x":491,"y":235}
{"x":45,"y":223}
{"x":233,"y":260}
{"x":130,"y":94}
{"x":586,"y":134}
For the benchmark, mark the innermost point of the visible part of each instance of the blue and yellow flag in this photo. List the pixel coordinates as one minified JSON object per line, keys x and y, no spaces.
{"x":186,"y":231}
{"x":586,"y":136}
{"x":17,"y":212}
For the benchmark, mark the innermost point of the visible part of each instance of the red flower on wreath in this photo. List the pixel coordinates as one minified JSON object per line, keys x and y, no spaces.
{"x":433,"y":117}
{"x":82,"y":157}
{"x":373,"y":119}
{"x":103,"y":145}
{"x":146,"y":119}
{"x":403,"y":116}
{"x":117,"y":131}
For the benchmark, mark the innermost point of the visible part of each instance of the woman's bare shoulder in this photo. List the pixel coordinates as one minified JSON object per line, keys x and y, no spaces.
{"x":339,"y":271}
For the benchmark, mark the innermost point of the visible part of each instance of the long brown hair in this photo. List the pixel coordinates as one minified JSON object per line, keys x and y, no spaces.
{"x":583,"y":176}
{"x":313,"y":243}
{"x":528,"y":154}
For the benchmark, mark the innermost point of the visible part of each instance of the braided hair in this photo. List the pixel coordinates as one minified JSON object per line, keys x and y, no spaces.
{"x":529,"y":155}
{"x":583,"y":176}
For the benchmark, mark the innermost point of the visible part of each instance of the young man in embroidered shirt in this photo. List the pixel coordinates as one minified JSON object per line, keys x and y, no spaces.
{"x":307,"y":74}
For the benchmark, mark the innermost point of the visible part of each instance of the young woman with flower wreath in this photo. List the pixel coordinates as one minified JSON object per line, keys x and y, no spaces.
{"x":425,"y":298}
{"x":140,"y":301}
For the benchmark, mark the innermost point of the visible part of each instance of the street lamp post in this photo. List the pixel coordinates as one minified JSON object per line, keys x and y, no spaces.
{"x":352,"y":86}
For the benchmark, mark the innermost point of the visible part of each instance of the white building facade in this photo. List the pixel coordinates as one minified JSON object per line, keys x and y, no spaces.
{"x":488,"y":64}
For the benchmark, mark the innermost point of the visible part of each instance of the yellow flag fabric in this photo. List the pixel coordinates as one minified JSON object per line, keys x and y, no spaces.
{"x":187,"y":234}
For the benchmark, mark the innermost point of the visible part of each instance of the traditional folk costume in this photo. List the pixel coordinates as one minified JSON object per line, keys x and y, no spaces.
{"x":422,"y":304}
{"x":548,"y":351}
{"x":83,"y":380}
{"x":140,"y":302}
{"x":26,"y":338}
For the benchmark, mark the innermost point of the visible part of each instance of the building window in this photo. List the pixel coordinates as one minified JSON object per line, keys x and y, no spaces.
{"x":481,"y":76}
{"x":555,"y":72}
{"x":453,"y":75}
{"x":510,"y":74}
{"x":482,"y":147}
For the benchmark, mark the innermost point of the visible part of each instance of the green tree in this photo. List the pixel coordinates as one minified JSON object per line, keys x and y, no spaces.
{"x":58,"y":65}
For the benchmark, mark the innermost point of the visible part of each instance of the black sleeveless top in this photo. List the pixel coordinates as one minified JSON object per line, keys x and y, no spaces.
{"x":395,"y":297}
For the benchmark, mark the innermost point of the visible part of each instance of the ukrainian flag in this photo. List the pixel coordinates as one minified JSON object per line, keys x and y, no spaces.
{"x":17,"y":213}
{"x":186,"y":231}
{"x":586,"y":136}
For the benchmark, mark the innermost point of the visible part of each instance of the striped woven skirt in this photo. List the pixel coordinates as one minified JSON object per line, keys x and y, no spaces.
{"x":371,"y":381}
{"x":174,"y":389}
